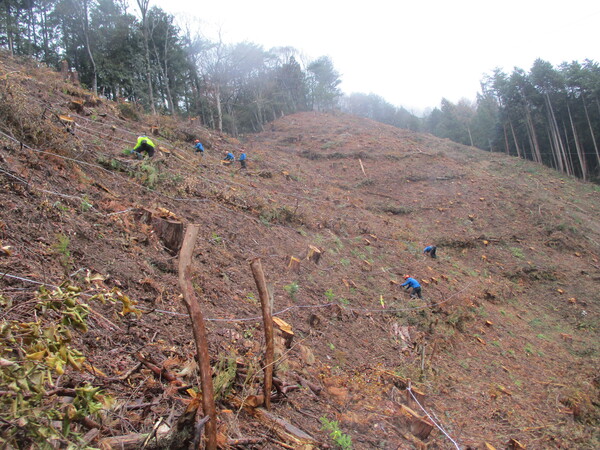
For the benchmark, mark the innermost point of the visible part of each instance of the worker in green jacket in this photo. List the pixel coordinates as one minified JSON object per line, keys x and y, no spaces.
{"x":144,"y":144}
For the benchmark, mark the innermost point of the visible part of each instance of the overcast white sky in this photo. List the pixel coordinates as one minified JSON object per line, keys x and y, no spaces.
{"x":411,"y":53}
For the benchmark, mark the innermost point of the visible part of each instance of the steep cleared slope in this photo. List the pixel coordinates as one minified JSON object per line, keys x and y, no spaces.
{"x":504,"y":344}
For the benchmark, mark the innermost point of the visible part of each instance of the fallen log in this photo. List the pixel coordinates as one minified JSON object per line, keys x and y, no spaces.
{"x":245,"y":441}
{"x":133,"y":441}
{"x":158,"y":371}
{"x":281,"y":427}
{"x":307,"y":384}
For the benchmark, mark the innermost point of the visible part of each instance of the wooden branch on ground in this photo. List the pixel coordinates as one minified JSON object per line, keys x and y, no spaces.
{"x":312,"y":387}
{"x":244,"y":441}
{"x":267,"y":312}
{"x":132,"y":441}
{"x":158,"y":371}
{"x":199,"y":331}
{"x":281,"y":427}
{"x":198,"y":427}
{"x":362,"y":167}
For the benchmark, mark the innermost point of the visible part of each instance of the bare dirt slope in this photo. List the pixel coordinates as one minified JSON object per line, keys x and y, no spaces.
{"x":504,"y":345}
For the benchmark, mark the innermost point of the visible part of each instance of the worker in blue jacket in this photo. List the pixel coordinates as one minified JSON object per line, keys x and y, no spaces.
{"x":242,"y":160}
{"x":430,"y":251}
{"x":199,"y":147}
{"x":414,"y":284}
{"x":229,"y":159}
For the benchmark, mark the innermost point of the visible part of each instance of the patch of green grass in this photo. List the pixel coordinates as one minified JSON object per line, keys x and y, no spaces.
{"x":345,"y":262}
{"x":252,"y":298}
{"x":535,"y":323}
{"x":528,"y":349}
{"x":517,"y":252}
{"x":329,"y":295}
{"x":338,"y":243}
{"x":58,"y":205}
{"x":327,"y":145}
{"x":364,"y":183}
{"x":85,"y":205}
{"x":61,"y":247}
{"x":112,"y":163}
{"x":292,"y":289}
{"x":396,"y":210}
{"x":342,"y":440}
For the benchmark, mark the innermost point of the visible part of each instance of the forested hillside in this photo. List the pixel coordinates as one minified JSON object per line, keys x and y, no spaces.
{"x":144,"y":57}
{"x":548,"y":115}
{"x":98,"y":350}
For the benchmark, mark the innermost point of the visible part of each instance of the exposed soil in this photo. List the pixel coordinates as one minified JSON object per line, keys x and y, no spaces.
{"x":504,"y":345}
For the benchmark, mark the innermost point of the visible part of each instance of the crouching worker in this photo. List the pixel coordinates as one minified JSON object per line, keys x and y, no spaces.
{"x":414,"y":284}
{"x":430,"y":251}
{"x":228,"y":159}
{"x":144,"y":144}
{"x":242,"y":160}
{"x":198,"y":147}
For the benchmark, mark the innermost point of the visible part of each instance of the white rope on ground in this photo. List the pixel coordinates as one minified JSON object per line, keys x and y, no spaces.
{"x":431,"y":418}
{"x":256,"y":318}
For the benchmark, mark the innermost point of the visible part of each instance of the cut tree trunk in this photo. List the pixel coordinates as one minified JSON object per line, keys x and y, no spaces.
{"x":199,"y":331}
{"x":267,"y":311}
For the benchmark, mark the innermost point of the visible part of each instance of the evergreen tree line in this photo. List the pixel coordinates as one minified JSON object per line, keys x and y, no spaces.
{"x":550,"y":115}
{"x":146,"y":59}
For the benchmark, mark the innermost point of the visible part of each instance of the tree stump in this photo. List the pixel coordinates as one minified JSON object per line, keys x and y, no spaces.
{"x":294,"y":264}
{"x":313,"y":254}
{"x":419,"y":426}
{"x":170,"y":232}
{"x":76,"y":105}
{"x":284,"y":331}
